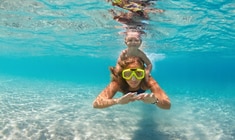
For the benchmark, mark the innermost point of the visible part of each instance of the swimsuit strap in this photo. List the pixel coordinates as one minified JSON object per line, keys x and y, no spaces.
{"x":139,"y":91}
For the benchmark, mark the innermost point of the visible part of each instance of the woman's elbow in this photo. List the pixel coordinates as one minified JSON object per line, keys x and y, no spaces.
{"x":95,"y":104}
{"x":166,"y":105}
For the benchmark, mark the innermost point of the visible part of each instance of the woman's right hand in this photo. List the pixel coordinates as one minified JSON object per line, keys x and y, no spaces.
{"x":129,"y":97}
{"x":147,"y":98}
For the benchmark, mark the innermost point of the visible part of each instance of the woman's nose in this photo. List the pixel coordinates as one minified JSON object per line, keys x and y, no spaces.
{"x":133,"y":78}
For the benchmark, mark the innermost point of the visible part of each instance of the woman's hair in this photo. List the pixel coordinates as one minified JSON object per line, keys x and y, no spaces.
{"x":116,"y":73}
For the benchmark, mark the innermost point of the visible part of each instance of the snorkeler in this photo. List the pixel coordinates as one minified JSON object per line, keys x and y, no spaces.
{"x":131,"y":81}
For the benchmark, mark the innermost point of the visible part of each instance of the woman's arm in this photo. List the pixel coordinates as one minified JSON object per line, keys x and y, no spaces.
{"x":162,"y":99}
{"x":104,"y":99}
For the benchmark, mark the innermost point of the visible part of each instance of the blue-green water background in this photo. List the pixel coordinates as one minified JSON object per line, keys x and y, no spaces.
{"x":54,"y":59}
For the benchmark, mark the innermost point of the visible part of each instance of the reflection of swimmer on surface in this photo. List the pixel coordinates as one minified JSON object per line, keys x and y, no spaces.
{"x":128,"y":18}
{"x":134,"y":18}
{"x":142,"y":8}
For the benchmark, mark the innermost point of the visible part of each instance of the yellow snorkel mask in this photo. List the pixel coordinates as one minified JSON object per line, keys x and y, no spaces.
{"x":128,"y":73}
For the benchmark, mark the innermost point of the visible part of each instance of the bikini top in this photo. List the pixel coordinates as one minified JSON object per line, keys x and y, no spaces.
{"x":139,"y":91}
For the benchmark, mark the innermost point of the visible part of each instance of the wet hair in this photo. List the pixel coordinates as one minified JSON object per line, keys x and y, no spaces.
{"x":116,"y":73}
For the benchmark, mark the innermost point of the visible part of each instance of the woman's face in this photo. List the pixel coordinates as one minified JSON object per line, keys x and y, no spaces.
{"x":133,"y":82}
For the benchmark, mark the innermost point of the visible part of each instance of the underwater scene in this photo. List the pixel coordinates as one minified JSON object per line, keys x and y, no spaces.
{"x":55,"y":58}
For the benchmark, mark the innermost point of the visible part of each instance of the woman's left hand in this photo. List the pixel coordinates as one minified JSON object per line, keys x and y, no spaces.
{"x":146,"y":98}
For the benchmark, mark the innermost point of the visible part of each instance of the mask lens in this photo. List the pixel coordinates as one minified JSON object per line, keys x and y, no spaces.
{"x":128,"y":73}
{"x":139,"y":73}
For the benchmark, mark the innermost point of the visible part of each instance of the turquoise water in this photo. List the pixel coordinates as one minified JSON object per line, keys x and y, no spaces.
{"x":54,"y":61}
